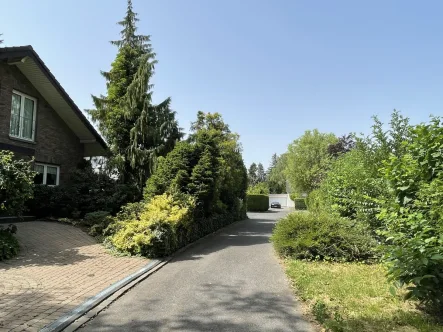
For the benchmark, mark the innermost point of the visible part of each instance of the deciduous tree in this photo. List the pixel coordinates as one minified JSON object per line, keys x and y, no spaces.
{"x":308,"y":160}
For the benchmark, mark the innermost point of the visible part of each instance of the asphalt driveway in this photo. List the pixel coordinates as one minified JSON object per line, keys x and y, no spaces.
{"x":230,"y":281}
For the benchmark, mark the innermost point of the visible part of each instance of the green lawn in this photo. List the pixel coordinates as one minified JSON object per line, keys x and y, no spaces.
{"x":355,"y":297}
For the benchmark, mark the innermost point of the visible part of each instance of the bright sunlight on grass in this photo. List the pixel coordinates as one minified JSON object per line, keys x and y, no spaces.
{"x":355,"y":297}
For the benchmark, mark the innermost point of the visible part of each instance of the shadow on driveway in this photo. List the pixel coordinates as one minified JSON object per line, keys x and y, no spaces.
{"x":254,"y":231}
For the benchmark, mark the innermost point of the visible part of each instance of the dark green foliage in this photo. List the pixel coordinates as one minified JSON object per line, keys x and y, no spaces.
{"x":257,"y":203}
{"x":208,"y":166}
{"x":204,"y":176}
{"x":88,"y":191}
{"x":261,"y":175}
{"x":16,"y":184}
{"x":97,"y":222}
{"x":201,"y":184}
{"x":344,"y":144}
{"x":9,"y":246}
{"x":276,"y":178}
{"x":412,"y":218}
{"x":299,"y":203}
{"x":322,"y":236}
{"x":96,"y":217}
{"x":137,"y":131}
{"x":252,"y":174}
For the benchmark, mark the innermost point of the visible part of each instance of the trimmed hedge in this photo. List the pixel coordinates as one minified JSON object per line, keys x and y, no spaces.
{"x":300,"y":204}
{"x":257,"y":203}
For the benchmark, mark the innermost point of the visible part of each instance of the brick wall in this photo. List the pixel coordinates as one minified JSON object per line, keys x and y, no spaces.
{"x":54,"y":142}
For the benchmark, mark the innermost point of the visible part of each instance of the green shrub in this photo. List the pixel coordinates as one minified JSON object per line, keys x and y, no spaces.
{"x":261,"y":188}
{"x":155,"y":233}
{"x":317,"y":201}
{"x":322,"y":236}
{"x":86,"y":192}
{"x":209,"y":166}
{"x":412,"y":218}
{"x":197,"y":188}
{"x":257,"y":203}
{"x":9,"y":246}
{"x":97,"y":221}
{"x":96,"y":217}
{"x":353,"y":187}
{"x":299,"y":203}
{"x":16,"y":184}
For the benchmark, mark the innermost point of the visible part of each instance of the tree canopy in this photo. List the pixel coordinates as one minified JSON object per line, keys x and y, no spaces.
{"x":308,"y":160}
{"x":137,"y":131}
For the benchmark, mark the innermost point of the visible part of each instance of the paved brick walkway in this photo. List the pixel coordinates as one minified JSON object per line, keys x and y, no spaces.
{"x":58,"y":268}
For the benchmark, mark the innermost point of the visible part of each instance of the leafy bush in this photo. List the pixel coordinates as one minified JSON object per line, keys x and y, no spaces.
{"x":299,"y":203}
{"x":197,"y":188}
{"x":322,"y":236}
{"x":86,"y":192}
{"x":98,"y":221}
{"x":96,"y":217}
{"x":156,"y":232}
{"x":412,"y":219}
{"x":258,"y":203}
{"x":317,"y":201}
{"x":260,"y":188}
{"x":209,"y":166}
{"x":16,"y":183}
{"x":354,"y":186}
{"x":308,"y":160}
{"x":9,"y":246}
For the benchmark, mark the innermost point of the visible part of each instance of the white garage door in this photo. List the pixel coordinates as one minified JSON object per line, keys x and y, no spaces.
{"x":282,"y":199}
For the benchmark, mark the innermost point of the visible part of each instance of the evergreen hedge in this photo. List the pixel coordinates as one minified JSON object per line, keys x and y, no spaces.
{"x":257,"y":203}
{"x":300,"y":204}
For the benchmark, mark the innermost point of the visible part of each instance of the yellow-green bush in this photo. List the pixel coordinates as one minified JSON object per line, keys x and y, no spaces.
{"x":155,"y":231}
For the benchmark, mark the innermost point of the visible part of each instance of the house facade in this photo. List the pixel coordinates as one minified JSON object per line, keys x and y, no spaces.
{"x":38,"y":119}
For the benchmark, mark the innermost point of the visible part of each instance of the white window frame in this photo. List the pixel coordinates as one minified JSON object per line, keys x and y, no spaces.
{"x":22,"y":107}
{"x":45,"y":173}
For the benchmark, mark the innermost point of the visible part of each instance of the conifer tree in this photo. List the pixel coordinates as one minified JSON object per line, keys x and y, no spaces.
{"x":136,"y":130}
{"x":261,"y":175}
{"x":252,"y":174}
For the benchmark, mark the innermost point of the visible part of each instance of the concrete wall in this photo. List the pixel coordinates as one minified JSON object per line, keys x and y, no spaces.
{"x":283,"y":199}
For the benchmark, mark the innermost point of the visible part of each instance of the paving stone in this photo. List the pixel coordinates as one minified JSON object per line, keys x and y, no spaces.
{"x":58,"y":268}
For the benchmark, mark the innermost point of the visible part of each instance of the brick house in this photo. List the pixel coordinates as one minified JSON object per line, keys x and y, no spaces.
{"x":38,"y":119}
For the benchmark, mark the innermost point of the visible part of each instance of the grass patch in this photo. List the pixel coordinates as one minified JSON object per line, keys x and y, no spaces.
{"x":355,"y":297}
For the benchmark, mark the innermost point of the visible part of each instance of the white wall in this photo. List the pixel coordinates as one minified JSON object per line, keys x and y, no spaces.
{"x":283,"y":199}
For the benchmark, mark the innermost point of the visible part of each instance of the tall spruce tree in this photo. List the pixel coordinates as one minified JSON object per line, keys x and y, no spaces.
{"x":137,"y":131}
{"x":261,"y":175}
{"x":274,"y":161}
{"x":252,"y":174}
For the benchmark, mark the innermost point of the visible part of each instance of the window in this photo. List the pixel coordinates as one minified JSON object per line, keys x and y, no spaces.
{"x":23,"y":111}
{"x":46,"y":174}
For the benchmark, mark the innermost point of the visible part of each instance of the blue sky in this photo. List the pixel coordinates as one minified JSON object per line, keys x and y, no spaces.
{"x":273,"y":69}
